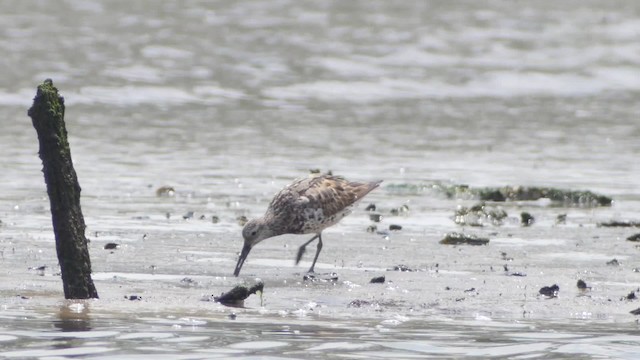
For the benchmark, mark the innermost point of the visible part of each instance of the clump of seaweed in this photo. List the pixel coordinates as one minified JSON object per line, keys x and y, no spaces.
{"x":455,"y":238}
{"x":479,"y":215}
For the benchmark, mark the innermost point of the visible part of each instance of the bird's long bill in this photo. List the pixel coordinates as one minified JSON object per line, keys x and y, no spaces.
{"x":243,"y":256}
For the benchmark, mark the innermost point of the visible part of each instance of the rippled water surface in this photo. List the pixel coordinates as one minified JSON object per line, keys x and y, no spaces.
{"x":229,"y":101}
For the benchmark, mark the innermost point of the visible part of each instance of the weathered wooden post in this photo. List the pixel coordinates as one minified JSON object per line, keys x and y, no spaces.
{"x":47,"y":115}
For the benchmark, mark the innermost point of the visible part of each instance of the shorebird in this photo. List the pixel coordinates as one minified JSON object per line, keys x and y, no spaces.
{"x":306,"y":206}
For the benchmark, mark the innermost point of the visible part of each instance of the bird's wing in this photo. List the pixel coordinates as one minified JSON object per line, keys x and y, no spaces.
{"x":332,"y":194}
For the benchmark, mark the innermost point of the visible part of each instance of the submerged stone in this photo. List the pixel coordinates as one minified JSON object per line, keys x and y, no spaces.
{"x":455,"y":238}
{"x":613,"y":262}
{"x":394,"y":227}
{"x":635,"y":312}
{"x":378,"y":280}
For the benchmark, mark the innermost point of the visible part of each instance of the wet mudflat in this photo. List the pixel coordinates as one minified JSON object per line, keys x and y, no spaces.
{"x":184,"y":122}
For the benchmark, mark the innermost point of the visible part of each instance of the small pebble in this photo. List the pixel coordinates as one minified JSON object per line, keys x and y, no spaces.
{"x":613,"y":262}
{"x":550,"y":291}
{"x":375,"y":217}
{"x":370,"y":207}
{"x":526,"y":219}
{"x":111,"y":246}
{"x":394,"y":227}
{"x":582,"y":285}
{"x":372,"y":228}
{"x":378,"y":280}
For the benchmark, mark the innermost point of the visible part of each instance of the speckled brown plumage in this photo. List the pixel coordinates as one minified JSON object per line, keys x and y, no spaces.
{"x":306,"y":206}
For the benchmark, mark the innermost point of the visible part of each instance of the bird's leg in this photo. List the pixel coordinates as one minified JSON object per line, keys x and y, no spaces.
{"x":317,"y":253}
{"x":302,"y":248}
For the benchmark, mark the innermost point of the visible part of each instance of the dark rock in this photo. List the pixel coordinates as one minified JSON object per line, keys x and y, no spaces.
{"x":561,"y":219}
{"x":375,"y":217}
{"x":635,"y":312}
{"x":233,"y":316}
{"x":236,"y":296}
{"x":188,"y":215}
{"x":111,"y":246}
{"x":372,"y":228}
{"x":133,"y":297}
{"x":215,"y":219}
{"x":370,"y":207}
{"x":378,"y":280}
{"x":526,"y":219}
{"x":620,"y":224}
{"x":635,"y":237}
{"x":454,"y":238}
{"x":631,"y":296}
{"x":582,"y":285}
{"x":550,"y":291}
{"x":395,"y":227}
{"x":613,"y":262}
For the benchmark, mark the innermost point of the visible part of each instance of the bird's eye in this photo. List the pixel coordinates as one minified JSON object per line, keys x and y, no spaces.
{"x":253,"y":233}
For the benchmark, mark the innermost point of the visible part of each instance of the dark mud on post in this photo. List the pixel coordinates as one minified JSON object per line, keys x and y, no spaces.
{"x":185,"y":121}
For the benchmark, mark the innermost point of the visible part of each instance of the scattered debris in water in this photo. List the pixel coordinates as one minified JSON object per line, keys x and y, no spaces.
{"x":635,"y":237}
{"x":454,"y":238}
{"x":236,"y":296}
{"x":111,"y":246}
{"x":401,"y":268}
{"x":526,"y":219}
{"x":613,"y":262}
{"x":550,"y":291}
{"x":165,"y":191}
{"x":314,"y":172}
{"x":370,"y":207}
{"x":615,"y":223}
{"x":378,"y":280}
{"x":479,"y":215}
{"x":394,"y":227}
{"x":582,"y":285}
{"x":401,"y":210}
{"x":504,"y":256}
{"x":375,"y":217}
{"x":329,"y":277}
{"x":242,"y":220}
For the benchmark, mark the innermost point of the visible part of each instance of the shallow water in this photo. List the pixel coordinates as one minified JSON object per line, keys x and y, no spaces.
{"x":229,"y":101}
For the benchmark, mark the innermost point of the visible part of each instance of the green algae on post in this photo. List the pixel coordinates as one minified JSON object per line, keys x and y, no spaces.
{"x":47,"y":115}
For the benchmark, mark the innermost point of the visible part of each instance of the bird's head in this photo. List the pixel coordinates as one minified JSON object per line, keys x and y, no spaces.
{"x":253,"y":232}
